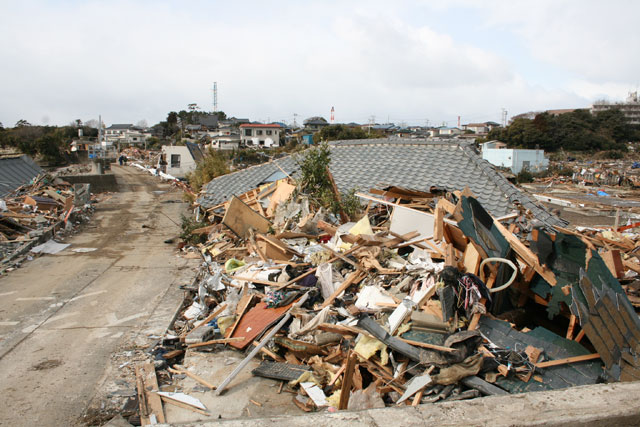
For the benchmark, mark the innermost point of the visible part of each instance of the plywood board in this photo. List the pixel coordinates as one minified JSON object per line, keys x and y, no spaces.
{"x":282,"y":194}
{"x":240,"y":218}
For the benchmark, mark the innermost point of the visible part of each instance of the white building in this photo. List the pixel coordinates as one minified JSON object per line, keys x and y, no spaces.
{"x":260,"y":135}
{"x":516,"y":159}
{"x":444,"y":131}
{"x":125,"y":134}
{"x":630,"y":108}
{"x":180,"y":159}
{"x":480,"y":128}
{"x":226,"y":138}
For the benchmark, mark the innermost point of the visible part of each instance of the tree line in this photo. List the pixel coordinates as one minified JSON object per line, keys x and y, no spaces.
{"x":50,"y":142}
{"x":575,"y":131}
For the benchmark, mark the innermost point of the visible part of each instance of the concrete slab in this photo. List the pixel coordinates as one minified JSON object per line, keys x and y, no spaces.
{"x":234,"y":402}
{"x":593,"y":405}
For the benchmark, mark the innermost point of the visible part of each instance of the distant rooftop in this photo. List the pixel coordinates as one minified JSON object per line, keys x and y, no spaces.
{"x":259,"y":125}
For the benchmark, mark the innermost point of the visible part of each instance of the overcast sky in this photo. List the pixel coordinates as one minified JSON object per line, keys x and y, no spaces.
{"x":402,"y":61}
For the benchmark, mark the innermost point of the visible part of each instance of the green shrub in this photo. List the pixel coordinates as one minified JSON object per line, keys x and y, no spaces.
{"x":524,"y":176}
{"x":188,"y":225}
{"x":214,"y":164}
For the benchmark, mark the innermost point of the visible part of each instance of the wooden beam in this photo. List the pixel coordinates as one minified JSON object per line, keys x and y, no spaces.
{"x":354,"y":277}
{"x":567,"y":360}
{"x":429,"y":346}
{"x":178,"y":370}
{"x":154,"y":403}
{"x":347,"y":381}
{"x":218,"y":341}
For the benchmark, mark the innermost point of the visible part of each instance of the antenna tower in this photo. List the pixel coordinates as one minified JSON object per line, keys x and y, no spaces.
{"x":215,"y":97}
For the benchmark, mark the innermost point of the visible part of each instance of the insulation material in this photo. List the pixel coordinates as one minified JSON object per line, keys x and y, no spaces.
{"x":367,"y":347}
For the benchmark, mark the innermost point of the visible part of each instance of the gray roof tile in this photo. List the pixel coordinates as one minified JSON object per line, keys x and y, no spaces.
{"x":16,"y":171}
{"x":418,"y":165}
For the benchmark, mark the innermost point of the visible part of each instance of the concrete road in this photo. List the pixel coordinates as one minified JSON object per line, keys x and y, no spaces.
{"x":63,"y":316}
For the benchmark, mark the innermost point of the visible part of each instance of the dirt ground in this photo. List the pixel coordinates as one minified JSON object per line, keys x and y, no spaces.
{"x":73,"y":324}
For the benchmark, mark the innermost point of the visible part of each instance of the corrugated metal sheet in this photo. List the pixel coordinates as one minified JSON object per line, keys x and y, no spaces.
{"x":16,"y":171}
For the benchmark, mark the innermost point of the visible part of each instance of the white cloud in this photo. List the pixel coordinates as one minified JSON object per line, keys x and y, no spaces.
{"x":134,"y":60}
{"x":592,"y":38}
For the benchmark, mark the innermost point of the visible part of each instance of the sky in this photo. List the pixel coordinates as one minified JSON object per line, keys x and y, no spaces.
{"x":404,"y":61}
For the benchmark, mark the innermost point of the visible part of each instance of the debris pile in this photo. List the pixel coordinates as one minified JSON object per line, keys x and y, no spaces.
{"x":423,"y":298}
{"x":37,"y":211}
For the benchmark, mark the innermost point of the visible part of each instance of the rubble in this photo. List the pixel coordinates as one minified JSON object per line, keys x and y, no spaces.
{"x":424,"y":298}
{"x":33,"y":214}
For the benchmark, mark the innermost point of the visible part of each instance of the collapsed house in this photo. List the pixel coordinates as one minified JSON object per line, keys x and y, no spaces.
{"x":16,"y":171}
{"x":452,"y":284}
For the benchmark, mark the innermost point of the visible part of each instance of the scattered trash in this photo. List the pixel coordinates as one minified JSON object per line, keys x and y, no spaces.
{"x":51,"y":247}
{"x":417,"y":298}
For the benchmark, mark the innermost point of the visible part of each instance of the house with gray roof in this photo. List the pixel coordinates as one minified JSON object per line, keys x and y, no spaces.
{"x":379,"y":163}
{"x":16,"y":171}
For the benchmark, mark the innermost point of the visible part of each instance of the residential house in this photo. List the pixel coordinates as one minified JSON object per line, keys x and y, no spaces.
{"x":260,"y":135}
{"x":315,"y":124}
{"x":117,"y":132}
{"x":181,"y":159}
{"x":226,"y":138}
{"x":126,"y":134}
{"x":444,"y":131}
{"x":481,"y":128}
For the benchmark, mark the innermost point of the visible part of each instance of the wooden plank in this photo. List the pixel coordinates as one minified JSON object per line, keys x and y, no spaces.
{"x":142,"y":397}
{"x":429,"y":346}
{"x":572,"y":325}
{"x":438,"y":226}
{"x":471,"y":259}
{"x":353,"y":278}
{"x":613,"y":260}
{"x":281,"y":194}
{"x":241,"y":312}
{"x":240,"y":218}
{"x":218,"y":341}
{"x":154,"y":403}
{"x":567,"y":360}
{"x":450,"y":256}
{"x":598,"y":344}
{"x":178,"y":370}
{"x":336,"y":254}
{"x":631,"y":265}
{"x":347,"y":381}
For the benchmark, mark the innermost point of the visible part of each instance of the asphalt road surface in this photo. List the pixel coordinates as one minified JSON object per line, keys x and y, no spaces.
{"x":63,"y":316}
